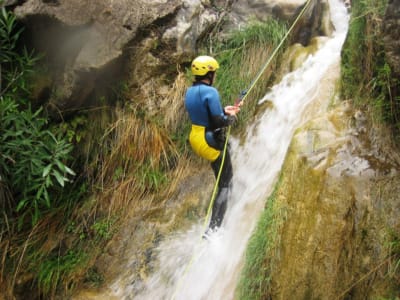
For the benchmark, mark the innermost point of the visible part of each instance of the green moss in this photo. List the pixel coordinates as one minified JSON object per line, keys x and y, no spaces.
{"x":255,"y":278}
{"x":366,"y":74}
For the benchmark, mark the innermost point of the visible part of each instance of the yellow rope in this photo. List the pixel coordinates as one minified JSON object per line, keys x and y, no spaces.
{"x":209,"y":210}
{"x":276,"y":50}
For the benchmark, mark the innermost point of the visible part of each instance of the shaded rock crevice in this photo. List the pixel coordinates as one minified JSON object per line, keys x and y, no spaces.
{"x":82,"y":40}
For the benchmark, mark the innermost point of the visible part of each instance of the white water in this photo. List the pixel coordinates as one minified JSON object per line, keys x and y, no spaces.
{"x":192,"y":269}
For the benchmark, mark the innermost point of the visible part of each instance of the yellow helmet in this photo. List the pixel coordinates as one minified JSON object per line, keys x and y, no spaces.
{"x":201,"y":65}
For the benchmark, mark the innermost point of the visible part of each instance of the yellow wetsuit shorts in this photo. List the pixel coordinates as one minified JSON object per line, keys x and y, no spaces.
{"x":197,"y":139}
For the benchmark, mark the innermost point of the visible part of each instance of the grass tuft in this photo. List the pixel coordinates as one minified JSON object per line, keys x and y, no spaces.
{"x":261,"y":253}
{"x":241,"y":56}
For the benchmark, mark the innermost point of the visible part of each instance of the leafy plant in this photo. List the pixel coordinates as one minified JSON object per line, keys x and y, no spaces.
{"x":32,"y":159}
{"x":60,"y":268}
{"x":14,"y":65}
{"x":103,"y":229}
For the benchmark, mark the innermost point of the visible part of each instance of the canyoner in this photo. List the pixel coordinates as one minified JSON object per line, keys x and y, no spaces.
{"x":207,"y":136}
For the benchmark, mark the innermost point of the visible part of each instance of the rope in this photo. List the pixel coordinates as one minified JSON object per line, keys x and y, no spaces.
{"x":209,"y":210}
{"x":253,"y":83}
{"x":241,"y":99}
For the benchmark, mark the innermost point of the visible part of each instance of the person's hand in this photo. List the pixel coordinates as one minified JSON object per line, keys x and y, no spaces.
{"x":231,"y":110}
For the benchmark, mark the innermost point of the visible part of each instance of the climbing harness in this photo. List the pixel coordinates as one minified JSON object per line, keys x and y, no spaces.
{"x":239,"y":101}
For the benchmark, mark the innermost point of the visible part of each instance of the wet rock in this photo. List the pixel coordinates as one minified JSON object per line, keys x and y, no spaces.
{"x":314,"y":22}
{"x":339,"y":189}
{"x":244,"y":11}
{"x":86,"y":42}
{"x":192,"y":20}
{"x":298,"y":53}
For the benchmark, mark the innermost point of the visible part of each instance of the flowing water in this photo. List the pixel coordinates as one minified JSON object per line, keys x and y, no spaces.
{"x":191,"y":268}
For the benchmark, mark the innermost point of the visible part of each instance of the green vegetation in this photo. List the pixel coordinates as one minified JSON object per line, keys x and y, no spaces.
{"x":255,"y":278}
{"x":35,"y":177}
{"x":367,"y":79}
{"x":33,"y":158}
{"x":393,"y":273}
{"x":241,"y":56}
{"x":59,"y":269}
{"x":366,"y":75}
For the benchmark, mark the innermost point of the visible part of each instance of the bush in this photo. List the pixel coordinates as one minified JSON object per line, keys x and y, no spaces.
{"x":32,"y":159}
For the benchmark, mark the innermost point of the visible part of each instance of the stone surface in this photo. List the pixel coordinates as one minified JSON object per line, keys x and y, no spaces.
{"x":83,"y":38}
{"x":314,"y":22}
{"x":88,"y":45}
{"x":243,"y":11}
{"x":191,"y":21}
{"x":339,"y":189}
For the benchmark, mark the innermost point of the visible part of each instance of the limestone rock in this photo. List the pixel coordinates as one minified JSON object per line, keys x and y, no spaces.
{"x":243,"y":11}
{"x":191,"y":21}
{"x":82,"y":40}
{"x":340,"y":194}
{"x":314,"y":22}
{"x":89,"y":45}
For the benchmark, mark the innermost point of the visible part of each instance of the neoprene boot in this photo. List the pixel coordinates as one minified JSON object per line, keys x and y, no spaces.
{"x":219,"y":208}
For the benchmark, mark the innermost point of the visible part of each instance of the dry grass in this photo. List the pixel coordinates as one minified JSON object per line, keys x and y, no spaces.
{"x":173,"y":105}
{"x":138,"y":140}
{"x":131,"y":170}
{"x":253,"y":59}
{"x":16,"y":256}
{"x":142,"y":161}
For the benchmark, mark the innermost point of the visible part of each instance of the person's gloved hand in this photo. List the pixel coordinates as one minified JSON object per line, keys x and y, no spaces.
{"x":231,"y":110}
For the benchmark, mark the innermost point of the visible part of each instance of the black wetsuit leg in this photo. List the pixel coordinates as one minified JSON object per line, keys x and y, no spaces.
{"x":220,"y":202}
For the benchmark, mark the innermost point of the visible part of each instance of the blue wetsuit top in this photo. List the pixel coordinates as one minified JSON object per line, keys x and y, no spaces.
{"x":204,"y":107}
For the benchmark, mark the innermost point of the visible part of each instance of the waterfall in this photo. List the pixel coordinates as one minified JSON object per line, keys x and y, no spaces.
{"x":189,"y":268}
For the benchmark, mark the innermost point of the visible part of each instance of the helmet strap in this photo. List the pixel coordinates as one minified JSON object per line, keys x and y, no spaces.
{"x":210,"y":77}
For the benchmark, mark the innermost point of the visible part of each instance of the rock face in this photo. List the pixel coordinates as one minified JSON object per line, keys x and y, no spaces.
{"x":243,"y":11}
{"x":314,"y":22}
{"x":336,"y":232}
{"x":392,"y":35}
{"x":90,"y":44}
{"x":338,"y":197}
{"x":82,"y":38}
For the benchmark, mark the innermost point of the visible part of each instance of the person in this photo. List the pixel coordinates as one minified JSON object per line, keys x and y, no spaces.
{"x":207,"y":135}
